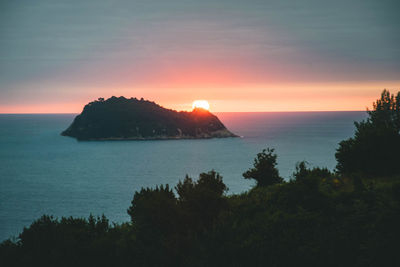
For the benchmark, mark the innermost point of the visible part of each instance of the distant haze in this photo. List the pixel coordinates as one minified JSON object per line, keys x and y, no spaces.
{"x":255,"y":55}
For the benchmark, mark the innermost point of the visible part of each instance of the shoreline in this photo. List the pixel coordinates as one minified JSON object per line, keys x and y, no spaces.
{"x":155,"y":138}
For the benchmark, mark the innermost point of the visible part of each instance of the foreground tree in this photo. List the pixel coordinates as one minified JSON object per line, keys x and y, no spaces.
{"x":264,"y":172}
{"x":309,"y":221}
{"x":153,"y":211}
{"x":154,"y":216}
{"x":201,"y":201}
{"x":166,"y":225}
{"x":374,"y":149}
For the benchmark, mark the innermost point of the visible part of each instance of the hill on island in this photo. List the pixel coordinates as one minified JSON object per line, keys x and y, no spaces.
{"x":120,"y":118}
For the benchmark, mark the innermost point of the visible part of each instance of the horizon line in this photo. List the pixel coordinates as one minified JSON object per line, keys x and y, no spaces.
{"x":278,"y":111}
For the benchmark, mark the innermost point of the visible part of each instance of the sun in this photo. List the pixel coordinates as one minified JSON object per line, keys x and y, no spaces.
{"x":201,"y":104}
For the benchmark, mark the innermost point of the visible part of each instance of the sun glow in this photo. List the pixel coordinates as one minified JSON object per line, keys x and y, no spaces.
{"x":201,"y":104}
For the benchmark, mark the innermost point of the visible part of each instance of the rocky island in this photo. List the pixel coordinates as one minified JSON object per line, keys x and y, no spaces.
{"x":120,"y":118}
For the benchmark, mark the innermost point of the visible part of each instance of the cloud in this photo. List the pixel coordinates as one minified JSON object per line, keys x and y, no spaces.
{"x":150,"y":43}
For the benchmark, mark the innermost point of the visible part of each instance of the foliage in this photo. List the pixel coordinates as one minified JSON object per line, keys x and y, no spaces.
{"x":153,"y":214}
{"x":166,"y":225}
{"x":309,"y":221}
{"x":374,"y":148}
{"x":202,"y":201}
{"x":264,"y":172}
{"x":149,"y":206}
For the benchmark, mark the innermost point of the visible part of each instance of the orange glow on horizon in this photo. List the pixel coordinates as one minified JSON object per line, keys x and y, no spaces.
{"x":240,"y":98}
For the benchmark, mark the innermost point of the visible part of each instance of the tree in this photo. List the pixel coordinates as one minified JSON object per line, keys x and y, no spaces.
{"x":154,"y":216}
{"x":303,"y":172}
{"x":264,"y":172}
{"x":374,"y":149}
{"x":153,"y":208}
{"x":201,"y":201}
{"x":316,"y":178}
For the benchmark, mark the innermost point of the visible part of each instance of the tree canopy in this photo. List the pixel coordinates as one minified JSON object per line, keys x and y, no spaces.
{"x":264,"y":172}
{"x":374,"y":149}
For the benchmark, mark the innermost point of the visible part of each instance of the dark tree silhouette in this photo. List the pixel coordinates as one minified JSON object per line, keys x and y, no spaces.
{"x":152,"y":208}
{"x":303,"y":172}
{"x":374,"y":149}
{"x":264,"y":172}
{"x":201,"y":201}
{"x":154,"y":215}
{"x":320,"y":222}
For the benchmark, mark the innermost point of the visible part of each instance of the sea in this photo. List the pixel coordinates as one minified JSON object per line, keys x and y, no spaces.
{"x":42,"y":172}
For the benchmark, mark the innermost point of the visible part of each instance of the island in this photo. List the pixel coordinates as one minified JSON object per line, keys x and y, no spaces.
{"x":120,"y":118}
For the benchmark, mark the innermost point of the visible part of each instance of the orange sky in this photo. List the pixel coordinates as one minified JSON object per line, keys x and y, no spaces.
{"x":241,"y":56}
{"x":244,"y":98}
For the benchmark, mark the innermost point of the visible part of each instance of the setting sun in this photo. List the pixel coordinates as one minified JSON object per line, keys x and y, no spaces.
{"x":201,"y":104}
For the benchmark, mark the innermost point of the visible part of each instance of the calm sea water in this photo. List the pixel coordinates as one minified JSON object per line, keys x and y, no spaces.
{"x":42,"y":172}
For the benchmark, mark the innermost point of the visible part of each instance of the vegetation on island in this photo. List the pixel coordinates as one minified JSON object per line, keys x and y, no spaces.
{"x":119,"y":118}
{"x":349,"y":217}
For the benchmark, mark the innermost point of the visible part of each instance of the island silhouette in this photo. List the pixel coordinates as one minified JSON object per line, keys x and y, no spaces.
{"x":120,"y":118}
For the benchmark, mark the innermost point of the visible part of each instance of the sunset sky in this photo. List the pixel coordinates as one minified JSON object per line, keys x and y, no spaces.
{"x":253,"y":55}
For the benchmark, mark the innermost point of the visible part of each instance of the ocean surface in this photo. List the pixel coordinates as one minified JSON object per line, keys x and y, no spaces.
{"x":42,"y":172}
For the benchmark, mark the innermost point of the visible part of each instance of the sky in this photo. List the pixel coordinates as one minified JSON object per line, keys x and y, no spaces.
{"x":253,"y":55}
